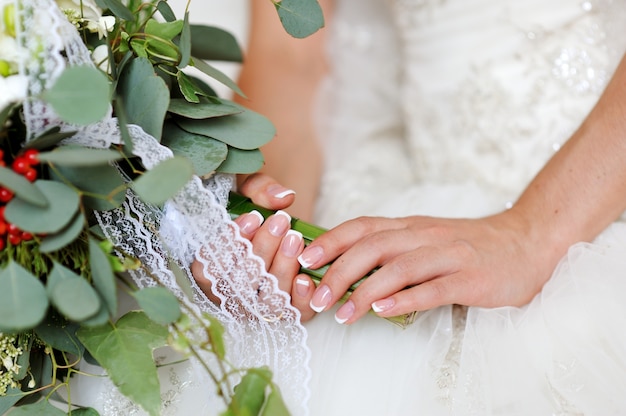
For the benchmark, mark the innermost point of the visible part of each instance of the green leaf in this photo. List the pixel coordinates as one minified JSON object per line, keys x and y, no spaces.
{"x":160,"y":43}
{"x":206,"y":154}
{"x":217,"y":75}
{"x":56,"y":241}
{"x":166,"y":11}
{"x":48,"y":138}
{"x":275,"y":405}
{"x":63,"y":203}
{"x":118,"y":9}
{"x":79,"y":156}
{"x":124,"y":350}
{"x":41,"y":408}
{"x":60,"y":335}
{"x":102,"y":274}
{"x":300,"y":18}
{"x":85,"y":411}
{"x":145,"y":96}
{"x":23,"y":300}
{"x":203,"y":109}
{"x":81,"y":95}
{"x":188,"y":88}
{"x":216,"y":336}
{"x":184,"y":43}
{"x":164,"y":30}
{"x":5,"y":113}
{"x":22,"y":188}
{"x":75,"y":299}
{"x":164,"y":180}
{"x":242,"y":161}
{"x":102,"y":186}
{"x":181,"y":279}
{"x":250,"y":392}
{"x":246,"y":130}
{"x":159,"y":304}
{"x":222,"y":47}
{"x":12,"y":396}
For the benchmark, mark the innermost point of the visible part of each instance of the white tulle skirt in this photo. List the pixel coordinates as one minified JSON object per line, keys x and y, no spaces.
{"x":562,"y":354}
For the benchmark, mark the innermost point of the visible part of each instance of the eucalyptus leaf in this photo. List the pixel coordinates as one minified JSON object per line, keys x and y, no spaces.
{"x":76,"y":299}
{"x":300,"y":18}
{"x":80,"y":95}
{"x":203,"y":109}
{"x":166,"y":11}
{"x":60,"y":336}
{"x":217,"y":75}
{"x":56,"y":241}
{"x":6,"y":112}
{"x":79,"y":156}
{"x":103,"y":277}
{"x":85,"y":411}
{"x":118,"y":9}
{"x":102,"y":186}
{"x":124,"y":350}
{"x":184,"y":43}
{"x":222,"y":47}
{"x":242,"y":161}
{"x":63,"y":203}
{"x":23,"y":300}
{"x":159,"y":304}
{"x":12,"y":396}
{"x":59,"y":273}
{"x":40,"y":408}
{"x":22,"y":188}
{"x":206,"y":154}
{"x":48,"y":138}
{"x":246,"y":130}
{"x":163,"y":181}
{"x":181,"y":279}
{"x":145,"y":96}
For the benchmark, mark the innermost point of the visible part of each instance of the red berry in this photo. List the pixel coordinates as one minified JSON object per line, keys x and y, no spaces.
{"x":1,"y":154}
{"x":2,"y":207}
{"x":2,"y":163}
{"x":31,"y":174}
{"x":13,"y":230}
{"x":15,"y":239}
{"x":5,"y":195}
{"x":20,"y":165}
{"x":3,"y":227}
{"x":26,"y":236}
{"x":31,"y":156}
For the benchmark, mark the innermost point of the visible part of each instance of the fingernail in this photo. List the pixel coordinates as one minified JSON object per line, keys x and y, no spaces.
{"x":291,"y":243}
{"x":383,"y":305}
{"x":345,"y":312}
{"x":279,"y":223}
{"x":278,"y":191}
{"x":310,"y":256}
{"x":321,"y":298}
{"x":251,"y":222}
{"x":302,"y":286}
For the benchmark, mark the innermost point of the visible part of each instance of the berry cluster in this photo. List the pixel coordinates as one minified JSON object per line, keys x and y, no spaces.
{"x":24,"y":165}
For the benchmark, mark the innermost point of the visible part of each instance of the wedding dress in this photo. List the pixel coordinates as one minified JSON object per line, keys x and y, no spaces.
{"x":448,"y":108}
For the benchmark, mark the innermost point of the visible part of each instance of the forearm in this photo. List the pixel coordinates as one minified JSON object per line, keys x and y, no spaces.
{"x":583,"y":187}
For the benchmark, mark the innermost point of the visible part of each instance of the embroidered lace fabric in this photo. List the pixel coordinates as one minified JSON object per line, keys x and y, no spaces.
{"x":262,"y":328}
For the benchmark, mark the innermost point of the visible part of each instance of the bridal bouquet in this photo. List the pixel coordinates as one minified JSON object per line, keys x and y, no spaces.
{"x":115,"y":167}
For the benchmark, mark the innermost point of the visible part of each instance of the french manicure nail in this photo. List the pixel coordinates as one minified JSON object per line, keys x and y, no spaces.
{"x":251,"y":222}
{"x":310,"y":256}
{"x":302,"y":286}
{"x":383,"y":305}
{"x":279,"y":223}
{"x":291,"y":243}
{"x":321,"y":298}
{"x":345,"y":312}
{"x":278,"y":191}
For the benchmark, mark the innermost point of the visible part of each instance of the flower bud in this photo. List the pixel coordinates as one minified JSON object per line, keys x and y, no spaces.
{"x":9,"y":19}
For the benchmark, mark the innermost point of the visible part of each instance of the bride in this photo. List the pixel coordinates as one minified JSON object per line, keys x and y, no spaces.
{"x":484,"y":140}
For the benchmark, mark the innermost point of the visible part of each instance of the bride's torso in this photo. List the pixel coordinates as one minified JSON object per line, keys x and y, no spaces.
{"x":449,"y":92}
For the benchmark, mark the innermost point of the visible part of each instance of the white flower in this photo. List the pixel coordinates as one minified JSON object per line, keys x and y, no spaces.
{"x":81,"y":9}
{"x":100,"y":57}
{"x":8,"y":363}
{"x":104,"y":25}
{"x":13,"y":89}
{"x":8,"y":54}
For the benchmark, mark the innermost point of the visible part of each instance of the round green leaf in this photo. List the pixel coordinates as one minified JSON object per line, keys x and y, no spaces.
{"x":79,"y":156}
{"x":40,"y":408}
{"x":223,"y":45}
{"x":300,"y":18}
{"x":21,"y":187}
{"x":242,"y":161}
{"x":103,"y":187}
{"x":164,"y":180}
{"x":203,"y":109}
{"x":63,"y":204}
{"x":75,"y":299}
{"x":246,"y":130}
{"x":159,"y":304}
{"x":23,"y":300}
{"x":103,"y":277}
{"x":81,"y":95}
{"x":205,"y":153}
{"x":54,"y":242}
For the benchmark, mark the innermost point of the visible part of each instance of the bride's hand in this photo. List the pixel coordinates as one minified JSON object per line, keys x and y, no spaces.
{"x":427,"y":262}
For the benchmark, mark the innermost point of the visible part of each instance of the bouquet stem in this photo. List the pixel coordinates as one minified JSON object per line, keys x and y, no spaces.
{"x":239,"y":204}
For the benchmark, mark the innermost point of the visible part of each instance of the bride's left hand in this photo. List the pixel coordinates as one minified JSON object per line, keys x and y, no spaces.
{"x":427,"y":262}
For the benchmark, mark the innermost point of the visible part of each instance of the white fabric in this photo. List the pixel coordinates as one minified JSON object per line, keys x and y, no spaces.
{"x":262,"y":328}
{"x":449,"y":108}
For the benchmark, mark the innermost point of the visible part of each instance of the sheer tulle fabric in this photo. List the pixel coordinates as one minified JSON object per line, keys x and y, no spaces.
{"x":449,"y":108}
